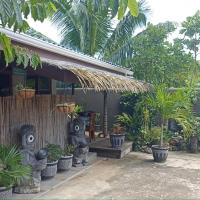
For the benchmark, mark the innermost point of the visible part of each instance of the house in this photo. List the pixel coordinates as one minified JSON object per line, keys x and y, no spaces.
{"x":60,"y":67}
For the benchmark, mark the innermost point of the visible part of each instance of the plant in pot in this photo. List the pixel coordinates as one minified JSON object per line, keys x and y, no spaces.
{"x":24,"y":92}
{"x":162,"y":102}
{"x":97,"y":122}
{"x":54,"y":154}
{"x":170,"y":105}
{"x":65,"y":162}
{"x":117,"y":137}
{"x":11,"y":170}
{"x":66,"y":107}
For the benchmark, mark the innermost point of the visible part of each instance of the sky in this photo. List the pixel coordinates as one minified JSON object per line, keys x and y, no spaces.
{"x":161,"y":11}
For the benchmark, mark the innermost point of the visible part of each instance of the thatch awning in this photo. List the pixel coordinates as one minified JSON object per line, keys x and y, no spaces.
{"x":98,"y":79}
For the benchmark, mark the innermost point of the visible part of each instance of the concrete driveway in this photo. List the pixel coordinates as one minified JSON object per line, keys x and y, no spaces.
{"x":135,"y":177}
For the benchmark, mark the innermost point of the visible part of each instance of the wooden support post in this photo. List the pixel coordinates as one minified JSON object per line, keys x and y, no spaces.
{"x":105,"y":114}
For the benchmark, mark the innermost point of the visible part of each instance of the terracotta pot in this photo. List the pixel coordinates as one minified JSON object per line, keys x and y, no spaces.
{"x":160,"y":154}
{"x":66,"y":107}
{"x":65,"y":163}
{"x":26,"y":93}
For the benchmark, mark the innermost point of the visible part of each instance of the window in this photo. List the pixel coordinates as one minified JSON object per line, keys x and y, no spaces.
{"x":5,"y":89}
{"x":42,"y":85}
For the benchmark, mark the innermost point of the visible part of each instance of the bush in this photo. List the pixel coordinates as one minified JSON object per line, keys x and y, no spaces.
{"x":54,"y":152}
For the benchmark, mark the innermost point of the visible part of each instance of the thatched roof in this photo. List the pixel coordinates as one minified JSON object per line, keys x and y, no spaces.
{"x":98,"y":79}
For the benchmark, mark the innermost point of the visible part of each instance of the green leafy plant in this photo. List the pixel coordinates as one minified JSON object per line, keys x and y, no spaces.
{"x":20,"y":86}
{"x":54,"y":152}
{"x":11,"y":168}
{"x":176,"y":105}
{"x":68,"y":150}
{"x":78,"y":109}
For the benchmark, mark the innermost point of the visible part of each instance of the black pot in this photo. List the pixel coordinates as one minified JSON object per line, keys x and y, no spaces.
{"x":50,"y":170}
{"x":97,"y":127}
{"x":159,"y":153}
{"x":65,"y":163}
{"x":117,"y":140}
{"x":5,"y":193}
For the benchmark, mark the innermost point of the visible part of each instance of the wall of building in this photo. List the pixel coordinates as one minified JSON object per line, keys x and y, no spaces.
{"x":40,"y":111}
{"x":93,"y":101}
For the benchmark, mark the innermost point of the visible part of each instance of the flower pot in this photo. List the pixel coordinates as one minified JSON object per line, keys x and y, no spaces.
{"x":50,"y":170}
{"x":98,"y":127}
{"x":5,"y":193}
{"x":65,"y":163}
{"x":26,"y":93}
{"x":66,"y":107}
{"x":159,"y":153}
{"x":117,"y":140}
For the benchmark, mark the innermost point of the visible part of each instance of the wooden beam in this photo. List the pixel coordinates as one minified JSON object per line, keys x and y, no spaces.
{"x":105,"y":113}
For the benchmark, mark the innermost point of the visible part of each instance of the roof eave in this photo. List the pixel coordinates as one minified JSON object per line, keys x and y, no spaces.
{"x":28,"y":40}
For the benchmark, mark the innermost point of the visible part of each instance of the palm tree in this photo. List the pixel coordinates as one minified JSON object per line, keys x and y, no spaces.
{"x":89,"y":27}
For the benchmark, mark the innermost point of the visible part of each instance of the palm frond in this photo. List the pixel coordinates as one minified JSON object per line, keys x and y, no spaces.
{"x":124,"y":30}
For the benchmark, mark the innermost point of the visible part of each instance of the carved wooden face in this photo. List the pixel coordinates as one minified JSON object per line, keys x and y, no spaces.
{"x":78,"y":127}
{"x":28,"y":136}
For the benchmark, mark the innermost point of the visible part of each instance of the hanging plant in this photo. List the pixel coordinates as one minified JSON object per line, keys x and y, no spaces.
{"x":66,"y":107}
{"x":25,"y":92}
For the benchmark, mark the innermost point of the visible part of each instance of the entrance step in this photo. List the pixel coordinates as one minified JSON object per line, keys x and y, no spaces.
{"x":103,"y":149}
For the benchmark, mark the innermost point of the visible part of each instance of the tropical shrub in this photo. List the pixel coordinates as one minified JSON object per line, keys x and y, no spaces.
{"x":54,"y":152}
{"x":11,"y":169}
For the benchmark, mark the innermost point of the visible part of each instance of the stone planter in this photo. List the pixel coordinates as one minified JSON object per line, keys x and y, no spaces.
{"x":50,"y":170}
{"x":65,"y":163}
{"x":5,"y":193}
{"x":159,"y":153}
{"x":117,"y":140}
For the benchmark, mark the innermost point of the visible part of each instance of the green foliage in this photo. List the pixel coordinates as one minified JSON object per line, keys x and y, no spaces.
{"x":27,"y":58}
{"x":11,"y":168}
{"x":78,"y":109}
{"x":68,"y":150}
{"x":191,"y":31}
{"x":87,"y":26}
{"x":175,"y":105}
{"x":119,"y":7}
{"x":54,"y":152}
{"x":152,"y":136}
{"x":125,"y":120}
{"x":156,"y":60}
{"x":14,"y":14}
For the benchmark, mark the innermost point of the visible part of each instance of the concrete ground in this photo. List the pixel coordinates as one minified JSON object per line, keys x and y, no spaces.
{"x":135,"y":176}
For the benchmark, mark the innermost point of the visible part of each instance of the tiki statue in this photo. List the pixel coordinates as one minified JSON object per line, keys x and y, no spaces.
{"x":78,"y":140}
{"x":37,"y":161}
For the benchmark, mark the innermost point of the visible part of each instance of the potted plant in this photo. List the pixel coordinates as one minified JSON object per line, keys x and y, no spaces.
{"x":97,"y":122}
{"x":54,"y":154}
{"x":65,"y":162}
{"x":162,"y":102}
{"x":11,"y":170}
{"x":66,"y":107}
{"x":175,"y":105}
{"x":117,"y":136}
{"x":25,"y":92}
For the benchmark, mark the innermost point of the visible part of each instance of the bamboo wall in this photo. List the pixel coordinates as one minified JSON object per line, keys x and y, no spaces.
{"x":51,"y":125}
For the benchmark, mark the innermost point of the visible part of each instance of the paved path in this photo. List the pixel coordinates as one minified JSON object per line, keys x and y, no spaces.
{"x":135,"y":176}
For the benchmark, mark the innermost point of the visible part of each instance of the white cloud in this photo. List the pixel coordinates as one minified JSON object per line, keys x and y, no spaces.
{"x":172,"y":10}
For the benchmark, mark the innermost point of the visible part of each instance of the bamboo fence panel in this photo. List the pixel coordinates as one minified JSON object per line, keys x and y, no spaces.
{"x":51,"y":125}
